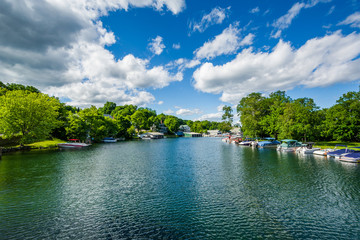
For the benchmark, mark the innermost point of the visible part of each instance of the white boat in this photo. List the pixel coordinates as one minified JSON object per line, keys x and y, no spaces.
{"x":109,"y":140}
{"x":322,"y":152}
{"x":307,"y":148}
{"x":73,"y":143}
{"x":351,"y":157}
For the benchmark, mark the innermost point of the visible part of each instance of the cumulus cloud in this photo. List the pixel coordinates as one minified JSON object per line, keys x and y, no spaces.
{"x":59,"y":47}
{"x":188,"y":112}
{"x":161,"y":102}
{"x":176,"y":46}
{"x":156,"y":45}
{"x":353,"y":20}
{"x":168,"y":112}
{"x":255,"y":10}
{"x":216,"y":16}
{"x":319,"y":62}
{"x":210,"y":117}
{"x":228,"y":42}
{"x":285,"y":21}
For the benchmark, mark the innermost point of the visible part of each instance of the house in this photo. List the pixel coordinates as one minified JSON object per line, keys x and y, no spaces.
{"x":236,"y":131}
{"x":152,"y":135}
{"x":192,"y":134}
{"x":213,"y":133}
{"x":184,"y":128}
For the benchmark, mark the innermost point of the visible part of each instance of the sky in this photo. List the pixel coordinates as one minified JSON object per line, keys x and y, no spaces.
{"x":180,"y":57}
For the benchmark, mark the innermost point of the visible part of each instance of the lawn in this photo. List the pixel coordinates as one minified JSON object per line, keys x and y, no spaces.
{"x":45,"y":144}
{"x":332,"y":144}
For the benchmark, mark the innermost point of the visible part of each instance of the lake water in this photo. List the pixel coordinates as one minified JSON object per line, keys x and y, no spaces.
{"x":187,"y":188}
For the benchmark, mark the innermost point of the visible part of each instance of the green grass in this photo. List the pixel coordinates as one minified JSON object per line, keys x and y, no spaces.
{"x":332,"y":144}
{"x":45,"y":144}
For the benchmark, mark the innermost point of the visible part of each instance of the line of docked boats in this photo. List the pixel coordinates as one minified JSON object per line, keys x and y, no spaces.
{"x":340,"y":152}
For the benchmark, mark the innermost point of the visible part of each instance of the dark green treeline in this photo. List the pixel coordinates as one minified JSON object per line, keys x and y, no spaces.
{"x":281,"y":117}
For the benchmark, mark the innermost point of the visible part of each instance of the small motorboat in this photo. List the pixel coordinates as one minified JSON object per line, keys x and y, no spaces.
{"x":340,"y":152}
{"x":323,"y":152}
{"x":307,"y":148}
{"x":109,"y":140}
{"x":269,"y":143}
{"x":288,"y":145}
{"x":350,"y":157}
{"x":73,"y":143}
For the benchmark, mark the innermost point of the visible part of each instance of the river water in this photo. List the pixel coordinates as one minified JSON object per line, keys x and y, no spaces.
{"x":187,"y":188}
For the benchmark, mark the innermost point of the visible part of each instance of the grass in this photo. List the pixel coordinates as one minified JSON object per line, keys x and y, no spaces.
{"x":332,"y":144}
{"x":45,"y":144}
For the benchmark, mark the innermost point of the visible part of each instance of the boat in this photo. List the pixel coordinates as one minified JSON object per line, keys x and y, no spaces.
{"x":269,"y":143}
{"x":109,"y":140}
{"x":323,"y":152}
{"x":307,"y":148}
{"x":288,"y":145}
{"x":73,"y":143}
{"x":338,"y":153}
{"x":246,"y":142}
{"x":351,"y":157}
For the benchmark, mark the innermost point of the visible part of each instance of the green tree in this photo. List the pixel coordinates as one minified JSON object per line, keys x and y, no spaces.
{"x":252,"y":110}
{"x":172,"y":123}
{"x":227,"y":116}
{"x":108,"y":108}
{"x":32,"y":114}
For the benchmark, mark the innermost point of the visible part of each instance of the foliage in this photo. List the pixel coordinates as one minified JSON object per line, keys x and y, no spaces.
{"x":32,"y":114}
{"x":108,"y":108}
{"x":172,"y":123}
{"x":228,"y":116}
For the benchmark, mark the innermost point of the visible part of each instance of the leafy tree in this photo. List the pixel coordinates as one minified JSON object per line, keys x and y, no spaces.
{"x":139,"y":120}
{"x":228,"y":116}
{"x":224,"y":127}
{"x":123,"y":125}
{"x":172,"y":123}
{"x":108,"y":108}
{"x":33,"y":115}
{"x":251,"y":110}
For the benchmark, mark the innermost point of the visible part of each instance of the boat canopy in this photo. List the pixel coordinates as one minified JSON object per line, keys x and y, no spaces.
{"x":269,"y":138}
{"x":288,"y":140}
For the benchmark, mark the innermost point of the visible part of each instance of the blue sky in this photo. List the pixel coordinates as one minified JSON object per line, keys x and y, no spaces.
{"x":185,"y":58}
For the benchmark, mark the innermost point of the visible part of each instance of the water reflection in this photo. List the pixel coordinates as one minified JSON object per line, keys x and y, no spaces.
{"x":177,"y":188}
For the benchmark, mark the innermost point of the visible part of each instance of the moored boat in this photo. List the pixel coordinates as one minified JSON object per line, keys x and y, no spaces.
{"x":307,"y":148}
{"x":350,"y":157}
{"x":323,"y":152}
{"x":109,"y":140}
{"x":269,"y":143}
{"x":288,"y":145}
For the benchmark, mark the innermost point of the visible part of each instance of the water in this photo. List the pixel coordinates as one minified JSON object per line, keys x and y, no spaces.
{"x":188,"y":188}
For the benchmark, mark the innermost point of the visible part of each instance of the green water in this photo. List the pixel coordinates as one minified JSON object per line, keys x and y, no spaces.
{"x":186,"y":188}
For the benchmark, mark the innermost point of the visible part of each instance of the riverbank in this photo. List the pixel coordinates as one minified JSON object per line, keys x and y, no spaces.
{"x":332,"y":144}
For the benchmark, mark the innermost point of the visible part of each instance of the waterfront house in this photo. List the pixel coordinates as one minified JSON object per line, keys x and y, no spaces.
{"x":213,"y":133}
{"x":184,"y":128}
{"x":192,"y":134}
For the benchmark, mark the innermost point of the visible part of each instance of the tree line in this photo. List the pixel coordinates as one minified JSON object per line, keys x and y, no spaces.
{"x":281,"y":117}
{"x":29,"y":115}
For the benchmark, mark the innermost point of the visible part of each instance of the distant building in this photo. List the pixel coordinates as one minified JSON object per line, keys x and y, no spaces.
{"x":161,"y":128}
{"x":236,"y":131}
{"x":192,"y":134}
{"x":184,"y":128}
{"x":152,"y":135}
{"x":213,"y":133}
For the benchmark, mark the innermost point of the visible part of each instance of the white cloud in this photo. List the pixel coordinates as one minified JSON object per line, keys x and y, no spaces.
{"x":228,"y":42}
{"x":216,"y":16}
{"x":331,"y":10}
{"x":161,"y":102}
{"x":210,"y":117}
{"x":176,"y":46}
{"x":353,"y":20}
{"x":156,"y":45}
{"x":168,"y":112}
{"x":188,"y":112}
{"x":255,"y":10}
{"x":65,"y":55}
{"x":319,"y":62}
{"x":285,"y":21}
